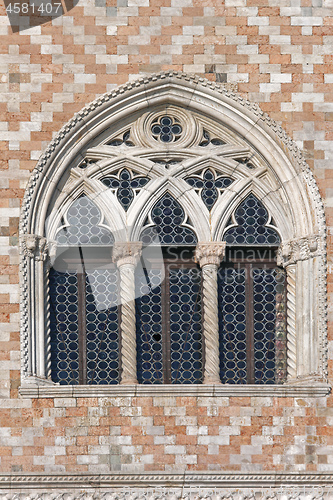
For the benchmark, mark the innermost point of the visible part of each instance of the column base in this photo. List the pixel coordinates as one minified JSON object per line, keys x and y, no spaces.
{"x":211,"y":380}
{"x":129,"y":381}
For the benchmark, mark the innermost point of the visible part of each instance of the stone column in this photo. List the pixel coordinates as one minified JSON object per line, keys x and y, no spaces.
{"x":208,"y":256}
{"x":298,"y":257}
{"x":36,"y":251}
{"x":126,"y":255}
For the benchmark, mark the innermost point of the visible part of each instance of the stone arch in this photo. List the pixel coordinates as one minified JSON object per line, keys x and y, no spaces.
{"x":290,"y":183}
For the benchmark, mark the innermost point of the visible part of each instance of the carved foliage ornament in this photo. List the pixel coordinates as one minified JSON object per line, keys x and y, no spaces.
{"x":292,"y":251}
{"x":35,"y":247}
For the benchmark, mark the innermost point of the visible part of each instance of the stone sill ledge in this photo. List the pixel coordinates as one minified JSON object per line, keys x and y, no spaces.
{"x":91,"y":482}
{"x":87,"y":391}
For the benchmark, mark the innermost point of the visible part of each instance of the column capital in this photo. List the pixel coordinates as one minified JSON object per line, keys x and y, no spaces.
{"x":212,"y":252}
{"x":35,"y":247}
{"x":292,"y":251}
{"x":126,"y":252}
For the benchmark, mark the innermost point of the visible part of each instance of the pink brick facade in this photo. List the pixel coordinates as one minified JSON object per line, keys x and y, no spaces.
{"x":276,"y":54}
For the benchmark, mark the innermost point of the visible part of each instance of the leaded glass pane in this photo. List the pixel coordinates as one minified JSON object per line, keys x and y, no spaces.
{"x":232,"y":325}
{"x":264,"y":315}
{"x":168,"y":217}
{"x":98,"y":333}
{"x":185,"y":326}
{"x":149,"y":327}
{"x":251,"y":217}
{"x":84,"y":218}
{"x":64,"y":335}
{"x":209,"y":186}
{"x":102,"y":325}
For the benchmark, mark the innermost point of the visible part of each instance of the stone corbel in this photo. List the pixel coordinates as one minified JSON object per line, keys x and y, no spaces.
{"x":35,"y":247}
{"x":292,"y":251}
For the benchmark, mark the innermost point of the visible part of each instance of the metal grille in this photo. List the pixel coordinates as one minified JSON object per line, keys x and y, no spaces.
{"x":168,"y":217}
{"x":84,"y":218}
{"x":232,"y":325}
{"x":125,"y":185}
{"x":149,"y":327}
{"x":185,"y":326}
{"x":64,"y":332}
{"x":102,"y":327}
{"x":84,"y":326}
{"x":251,"y":217}
{"x":209,"y":186}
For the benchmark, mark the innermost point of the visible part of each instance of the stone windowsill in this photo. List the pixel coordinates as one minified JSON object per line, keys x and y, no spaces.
{"x":308,"y":389}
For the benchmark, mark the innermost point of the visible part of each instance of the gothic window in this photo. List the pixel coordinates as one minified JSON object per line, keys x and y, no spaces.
{"x":173,"y":238}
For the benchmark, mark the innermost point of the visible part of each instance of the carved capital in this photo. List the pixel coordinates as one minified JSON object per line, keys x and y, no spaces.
{"x":127,"y":253}
{"x":35,"y":247}
{"x":210,"y":253}
{"x":292,"y":251}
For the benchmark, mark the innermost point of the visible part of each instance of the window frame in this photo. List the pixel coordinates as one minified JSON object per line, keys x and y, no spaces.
{"x":302,"y":252}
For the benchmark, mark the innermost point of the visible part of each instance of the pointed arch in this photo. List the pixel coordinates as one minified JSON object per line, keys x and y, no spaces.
{"x":279,"y":177}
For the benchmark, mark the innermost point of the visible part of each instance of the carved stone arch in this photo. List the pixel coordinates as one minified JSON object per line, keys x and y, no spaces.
{"x":105,"y":202}
{"x":233,"y":198}
{"x":184,"y":196}
{"x":303,"y":254}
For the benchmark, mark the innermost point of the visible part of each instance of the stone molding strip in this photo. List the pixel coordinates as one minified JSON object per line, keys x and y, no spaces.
{"x":310,"y":389}
{"x":56,"y":482}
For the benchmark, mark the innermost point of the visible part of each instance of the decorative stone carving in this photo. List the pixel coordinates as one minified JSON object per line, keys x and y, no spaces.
{"x":35,"y":247}
{"x":126,"y":255}
{"x":172,"y":486}
{"x":291,"y":322}
{"x":209,"y":256}
{"x":145,"y":93}
{"x":210,"y":253}
{"x":292,"y":251}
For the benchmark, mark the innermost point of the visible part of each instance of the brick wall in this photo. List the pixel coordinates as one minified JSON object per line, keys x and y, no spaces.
{"x":276,"y":53}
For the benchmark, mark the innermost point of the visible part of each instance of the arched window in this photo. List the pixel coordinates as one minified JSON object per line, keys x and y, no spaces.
{"x":173,"y":246}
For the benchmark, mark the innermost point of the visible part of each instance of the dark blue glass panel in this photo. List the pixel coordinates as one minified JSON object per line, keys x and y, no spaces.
{"x":185,"y":326}
{"x":64,"y":327}
{"x":209,"y":186}
{"x":149,"y":327}
{"x":84,"y":218}
{"x":168,"y":216}
{"x":125,"y":185}
{"x":102,"y":327}
{"x":166,"y":129}
{"x":264,"y":315}
{"x":251,"y":217}
{"x":232,"y":325}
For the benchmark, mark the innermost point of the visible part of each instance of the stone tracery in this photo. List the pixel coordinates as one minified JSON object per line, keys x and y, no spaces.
{"x":203,"y":222}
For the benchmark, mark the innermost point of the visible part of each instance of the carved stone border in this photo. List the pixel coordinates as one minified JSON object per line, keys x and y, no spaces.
{"x":72,"y":482}
{"x":212,"y":90}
